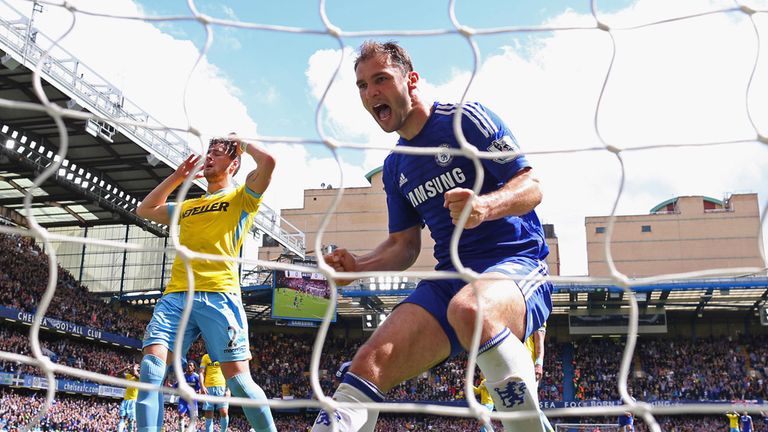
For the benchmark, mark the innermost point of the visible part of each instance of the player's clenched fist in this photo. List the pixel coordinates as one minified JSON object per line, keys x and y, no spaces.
{"x":457,"y":199}
{"x":341,"y":261}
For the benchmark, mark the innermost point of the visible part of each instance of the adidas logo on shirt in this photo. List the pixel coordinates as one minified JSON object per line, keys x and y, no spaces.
{"x":403,"y":180}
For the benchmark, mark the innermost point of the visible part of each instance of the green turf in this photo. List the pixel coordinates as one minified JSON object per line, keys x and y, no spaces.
{"x":311,"y":307}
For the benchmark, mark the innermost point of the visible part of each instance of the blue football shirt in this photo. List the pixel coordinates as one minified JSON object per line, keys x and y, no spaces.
{"x":415,"y":185}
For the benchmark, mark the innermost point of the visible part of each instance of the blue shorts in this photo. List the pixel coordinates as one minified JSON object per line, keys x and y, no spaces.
{"x":434,"y":295}
{"x":215,"y":391}
{"x":219,"y":317}
{"x":128,"y":408}
{"x":190,"y":409}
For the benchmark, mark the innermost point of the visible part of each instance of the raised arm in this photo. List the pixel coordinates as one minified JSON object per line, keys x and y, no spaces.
{"x":398,"y":252}
{"x":121,"y":372}
{"x":258,"y":179}
{"x":155,"y":205}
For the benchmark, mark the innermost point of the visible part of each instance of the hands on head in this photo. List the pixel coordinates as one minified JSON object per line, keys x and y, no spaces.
{"x":238,"y":143}
{"x":190,"y":166}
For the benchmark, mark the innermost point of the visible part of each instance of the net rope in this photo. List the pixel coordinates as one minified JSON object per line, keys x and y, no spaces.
{"x":641,"y":409}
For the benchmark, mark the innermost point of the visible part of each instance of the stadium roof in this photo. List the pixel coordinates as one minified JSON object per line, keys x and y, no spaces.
{"x":116,"y":151}
{"x":744,"y":295}
{"x":103,"y":175}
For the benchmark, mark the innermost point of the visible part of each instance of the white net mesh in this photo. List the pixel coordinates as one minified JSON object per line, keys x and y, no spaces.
{"x":50,"y":66}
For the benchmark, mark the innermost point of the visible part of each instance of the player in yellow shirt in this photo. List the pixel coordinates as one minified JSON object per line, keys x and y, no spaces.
{"x":733,"y":421}
{"x":214,"y":384}
{"x":484,"y":398}
{"x":128,"y":405}
{"x":215,"y":224}
{"x":535,"y":344}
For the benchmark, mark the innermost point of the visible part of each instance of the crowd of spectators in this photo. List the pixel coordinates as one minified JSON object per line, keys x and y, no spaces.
{"x":68,"y":413}
{"x":551,"y":384}
{"x":24,"y":279}
{"x":71,"y":413}
{"x":70,"y":352}
{"x":596,"y":365}
{"x":724,"y":369}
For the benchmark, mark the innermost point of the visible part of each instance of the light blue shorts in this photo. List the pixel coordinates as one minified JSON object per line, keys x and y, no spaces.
{"x":434,"y":295}
{"x":219,"y":317}
{"x":215,"y":391}
{"x":128,"y":408}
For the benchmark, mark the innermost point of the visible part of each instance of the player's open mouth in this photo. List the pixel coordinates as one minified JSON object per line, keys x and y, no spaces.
{"x":382,"y":111}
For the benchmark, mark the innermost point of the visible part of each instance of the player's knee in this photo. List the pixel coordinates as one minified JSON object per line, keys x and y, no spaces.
{"x":152,"y":369}
{"x":462,"y":316}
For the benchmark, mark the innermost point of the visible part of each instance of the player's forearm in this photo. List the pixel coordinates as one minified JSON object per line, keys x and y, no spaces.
{"x":258,"y":180}
{"x":538,"y":346}
{"x":397,"y":252}
{"x":259,"y":154}
{"x":517,"y":197}
{"x":159,"y":195}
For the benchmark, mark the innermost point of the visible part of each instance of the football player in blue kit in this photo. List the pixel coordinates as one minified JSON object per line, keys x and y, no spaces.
{"x":503,"y":242}
{"x":185,"y":407}
{"x":627,"y":422}
{"x":746,"y":422}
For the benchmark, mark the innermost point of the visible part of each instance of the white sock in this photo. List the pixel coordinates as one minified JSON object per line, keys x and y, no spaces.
{"x":511,"y":380}
{"x":353,"y":389}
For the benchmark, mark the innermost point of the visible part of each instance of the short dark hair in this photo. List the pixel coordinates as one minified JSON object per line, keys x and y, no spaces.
{"x":394,"y":52}
{"x":231,"y":149}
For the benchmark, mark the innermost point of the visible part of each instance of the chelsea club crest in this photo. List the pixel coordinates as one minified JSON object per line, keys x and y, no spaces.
{"x":443,"y":158}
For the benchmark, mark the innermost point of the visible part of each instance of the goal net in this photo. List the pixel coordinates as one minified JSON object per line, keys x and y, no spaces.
{"x":586,"y":427}
{"x":615,"y":148}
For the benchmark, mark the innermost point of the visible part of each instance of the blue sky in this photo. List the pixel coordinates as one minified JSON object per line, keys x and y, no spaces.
{"x":269,"y":67}
{"x":677,"y":83}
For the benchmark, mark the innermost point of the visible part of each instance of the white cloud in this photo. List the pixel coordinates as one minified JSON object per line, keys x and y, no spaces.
{"x":671,"y":83}
{"x":683,"y":82}
{"x":229,"y":12}
{"x":149,"y":66}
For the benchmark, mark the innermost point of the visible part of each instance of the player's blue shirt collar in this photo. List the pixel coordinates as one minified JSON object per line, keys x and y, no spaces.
{"x":427,"y":125}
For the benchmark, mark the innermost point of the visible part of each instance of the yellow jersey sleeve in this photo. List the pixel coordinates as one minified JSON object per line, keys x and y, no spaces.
{"x":214,"y":224}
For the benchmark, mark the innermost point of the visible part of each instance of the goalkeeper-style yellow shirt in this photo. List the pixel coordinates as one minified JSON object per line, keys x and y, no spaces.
{"x":214,"y":224}
{"x":213,"y":375}
{"x":482,"y":391}
{"x":131,"y":393}
{"x":733,"y":419}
